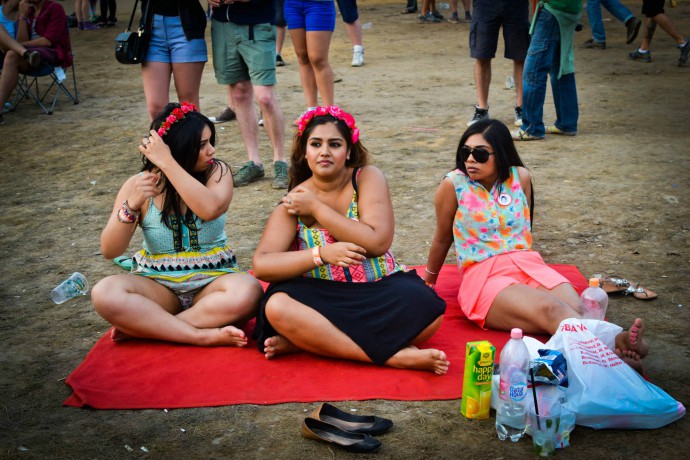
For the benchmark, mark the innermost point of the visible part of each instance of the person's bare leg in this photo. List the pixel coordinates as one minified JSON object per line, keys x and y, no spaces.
{"x":156,"y":77}
{"x":306,"y":71}
{"x":243,"y":95}
{"x":517,"y":77}
{"x":532,"y":310}
{"x":126,"y":302}
{"x":318,"y":45}
{"x":280,"y":39}
{"x":7,"y":42}
{"x":668,"y":27}
{"x":13,"y":64}
{"x":306,"y":329}
{"x":187,"y":78}
{"x":482,"y":80}
{"x":273,"y":119}
{"x":354,"y":32}
{"x":649,"y":29}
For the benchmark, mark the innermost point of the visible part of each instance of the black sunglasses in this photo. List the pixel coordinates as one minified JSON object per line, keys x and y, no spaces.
{"x":480,"y":154}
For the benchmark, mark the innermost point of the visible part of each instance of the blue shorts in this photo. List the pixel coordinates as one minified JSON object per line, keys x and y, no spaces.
{"x":169,"y":44}
{"x":311,"y":15}
{"x":348,"y":10}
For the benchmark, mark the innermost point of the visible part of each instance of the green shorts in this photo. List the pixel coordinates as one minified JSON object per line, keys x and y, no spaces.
{"x":242,"y":52}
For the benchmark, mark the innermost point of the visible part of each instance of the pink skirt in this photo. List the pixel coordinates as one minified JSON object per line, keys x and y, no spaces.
{"x":480,"y":283}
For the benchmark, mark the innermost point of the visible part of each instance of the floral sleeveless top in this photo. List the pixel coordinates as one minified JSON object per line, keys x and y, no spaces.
{"x":488,"y":223}
{"x":372,"y":269}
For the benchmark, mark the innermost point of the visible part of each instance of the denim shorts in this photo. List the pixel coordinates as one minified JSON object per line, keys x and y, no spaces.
{"x":242,"y":52}
{"x":169,"y":44}
{"x":487,"y":18}
{"x":311,"y":15}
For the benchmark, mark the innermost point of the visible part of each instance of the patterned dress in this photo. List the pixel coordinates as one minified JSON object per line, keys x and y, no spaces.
{"x":187,"y":257}
{"x":379,"y":305}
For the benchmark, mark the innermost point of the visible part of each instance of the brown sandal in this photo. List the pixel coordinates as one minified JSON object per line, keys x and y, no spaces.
{"x":613,"y":284}
{"x":640,"y":293}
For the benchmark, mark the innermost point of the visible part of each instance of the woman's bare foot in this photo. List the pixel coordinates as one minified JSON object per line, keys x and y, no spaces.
{"x":278,"y":345}
{"x":229,"y":336}
{"x":631,"y":346}
{"x":428,"y":359}
{"x":118,"y":336}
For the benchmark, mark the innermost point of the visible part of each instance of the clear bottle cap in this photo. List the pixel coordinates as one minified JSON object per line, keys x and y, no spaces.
{"x":516,"y":333}
{"x":594,"y":282}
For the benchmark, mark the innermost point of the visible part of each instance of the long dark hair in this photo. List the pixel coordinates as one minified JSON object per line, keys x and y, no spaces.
{"x":184,"y":140}
{"x":299,"y":168}
{"x":498,"y":136}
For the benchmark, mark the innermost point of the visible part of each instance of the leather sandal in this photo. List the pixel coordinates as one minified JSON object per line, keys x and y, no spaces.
{"x":353,"y":442}
{"x":640,"y":293}
{"x":365,"y":424}
{"x":613,"y":284}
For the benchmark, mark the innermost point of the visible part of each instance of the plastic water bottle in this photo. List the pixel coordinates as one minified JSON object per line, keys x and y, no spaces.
{"x":595,"y":301}
{"x":514,"y":367}
{"x":73,"y":286}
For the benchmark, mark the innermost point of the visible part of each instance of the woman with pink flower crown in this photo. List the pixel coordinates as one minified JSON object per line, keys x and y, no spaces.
{"x":335,"y":288}
{"x":185,"y":285}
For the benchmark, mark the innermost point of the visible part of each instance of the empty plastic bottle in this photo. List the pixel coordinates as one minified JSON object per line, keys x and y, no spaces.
{"x":73,"y":286}
{"x":514,"y":367}
{"x":595,"y":301}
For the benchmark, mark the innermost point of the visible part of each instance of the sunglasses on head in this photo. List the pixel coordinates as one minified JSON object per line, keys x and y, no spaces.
{"x":480,"y":154}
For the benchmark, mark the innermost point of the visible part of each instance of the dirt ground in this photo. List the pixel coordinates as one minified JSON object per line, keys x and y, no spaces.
{"x":613,"y":199}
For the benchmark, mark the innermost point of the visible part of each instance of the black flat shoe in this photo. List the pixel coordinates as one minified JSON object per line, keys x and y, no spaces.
{"x":365,"y":424}
{"x":353,"y":442}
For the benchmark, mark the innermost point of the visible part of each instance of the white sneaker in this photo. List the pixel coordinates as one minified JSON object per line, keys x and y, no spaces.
{"x":358,"y":56}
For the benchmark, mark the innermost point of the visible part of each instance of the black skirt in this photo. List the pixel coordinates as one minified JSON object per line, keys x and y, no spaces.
{"x":381,"y":317}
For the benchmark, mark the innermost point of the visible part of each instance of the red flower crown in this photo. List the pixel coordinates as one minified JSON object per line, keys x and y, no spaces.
{"x":176,"y":115}
{"x":332,"y":110}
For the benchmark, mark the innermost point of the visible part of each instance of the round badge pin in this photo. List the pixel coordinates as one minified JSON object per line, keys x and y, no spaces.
{"x":504,"y":199}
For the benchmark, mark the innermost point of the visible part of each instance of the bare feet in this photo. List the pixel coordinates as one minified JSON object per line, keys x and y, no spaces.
{"x":230,"y":336}
{"x":278,"y":345}
{"x":118,"y":336}
{"x":428,"y":359}
{"x":631,"y":346}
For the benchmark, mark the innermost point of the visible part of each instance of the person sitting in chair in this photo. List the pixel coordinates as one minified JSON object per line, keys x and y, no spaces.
{"x":42,"y":37}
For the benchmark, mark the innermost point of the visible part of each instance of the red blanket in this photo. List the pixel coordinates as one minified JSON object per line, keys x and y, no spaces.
{"x":143,"y":374}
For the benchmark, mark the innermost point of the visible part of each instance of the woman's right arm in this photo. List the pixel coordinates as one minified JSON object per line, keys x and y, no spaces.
{"x":446,"y":205}
{"x":116,"y":235}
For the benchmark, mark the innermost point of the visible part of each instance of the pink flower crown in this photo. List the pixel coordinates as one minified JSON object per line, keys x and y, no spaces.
{"x":332,"y":110}
{"x":176,"y":115}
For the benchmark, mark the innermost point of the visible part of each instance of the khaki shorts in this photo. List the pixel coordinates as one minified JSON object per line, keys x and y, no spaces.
{"x":242,"y":52}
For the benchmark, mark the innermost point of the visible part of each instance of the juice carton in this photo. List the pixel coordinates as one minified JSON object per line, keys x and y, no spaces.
{"x":476,"y":387}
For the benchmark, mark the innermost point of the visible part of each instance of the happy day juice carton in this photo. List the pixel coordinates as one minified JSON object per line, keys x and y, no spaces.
{"x":476,"y":386}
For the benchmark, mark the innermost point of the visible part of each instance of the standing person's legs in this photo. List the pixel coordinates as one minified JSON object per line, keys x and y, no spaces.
{"x":482,"y":80}
{"x":564,"y":93}
{"x":188,"y":58}
{"x":596,"y":23}
{"x":516,"y":38}
{"x":318,"y":45}
{"x":156,"y":77}
{"x":618,"y":10}
{"x":243,"y":95}
{"x":306,"y":71}
{"x":540,"y":57}
{"x":353,"y":27}
{"x":273,"y":118}
{"x":188,"y":81}
{"x":484,"y":30}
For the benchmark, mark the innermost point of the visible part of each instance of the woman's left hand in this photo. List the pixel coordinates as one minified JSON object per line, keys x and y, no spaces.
{"x":156,"y":150}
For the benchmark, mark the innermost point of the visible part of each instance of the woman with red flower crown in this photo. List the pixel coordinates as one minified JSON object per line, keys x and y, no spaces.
{"x":185,"y":285}
{"x":336,"y":289}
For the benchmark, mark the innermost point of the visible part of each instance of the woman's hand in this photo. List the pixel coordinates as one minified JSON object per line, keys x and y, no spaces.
{"x":342,"y":254}
{"x":156,"y":150}
{"x":146,"y":185}
{"x":300,"y":201}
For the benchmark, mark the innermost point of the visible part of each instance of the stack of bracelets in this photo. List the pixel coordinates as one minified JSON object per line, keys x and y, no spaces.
{"x":127,"y":215}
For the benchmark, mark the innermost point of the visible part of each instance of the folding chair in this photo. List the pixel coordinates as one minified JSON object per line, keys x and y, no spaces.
{"x":28,"y":87}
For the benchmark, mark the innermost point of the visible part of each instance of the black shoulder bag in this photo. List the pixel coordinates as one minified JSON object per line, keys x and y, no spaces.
{"x":131,"y":47}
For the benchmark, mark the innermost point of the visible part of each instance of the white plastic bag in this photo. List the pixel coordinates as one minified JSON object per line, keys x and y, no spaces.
{"x":603,"y":391}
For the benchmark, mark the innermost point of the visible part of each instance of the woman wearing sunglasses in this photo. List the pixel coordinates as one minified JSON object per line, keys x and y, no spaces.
{"x":485,"y":206}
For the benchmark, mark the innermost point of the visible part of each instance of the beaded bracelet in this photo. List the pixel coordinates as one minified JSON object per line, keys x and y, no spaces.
{"x":316,"y":254}
{"x":127,"y":215}
{"x":430,"y":272}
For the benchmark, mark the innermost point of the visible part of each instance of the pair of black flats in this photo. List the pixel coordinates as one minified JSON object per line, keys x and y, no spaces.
{"x":353,"y":433}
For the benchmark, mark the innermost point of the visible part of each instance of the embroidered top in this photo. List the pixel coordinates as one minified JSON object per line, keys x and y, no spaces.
{"x":372,"y":269}
{"x":188,"y":256}
{"x":488,"y":223}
